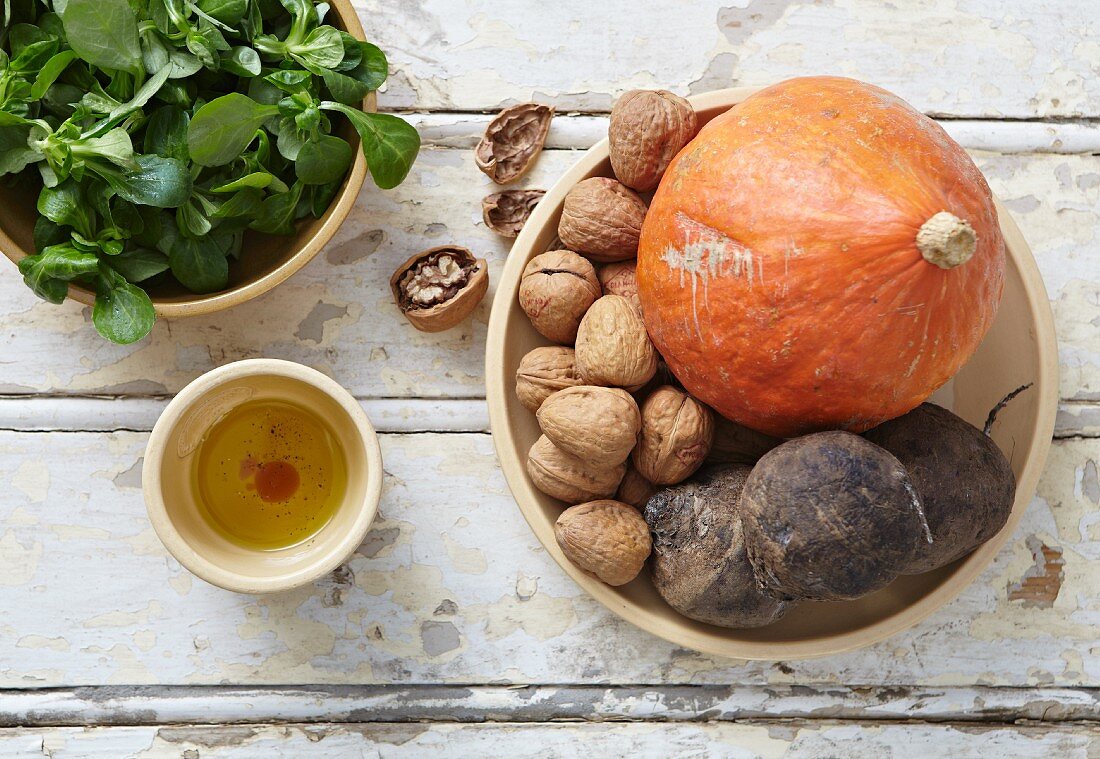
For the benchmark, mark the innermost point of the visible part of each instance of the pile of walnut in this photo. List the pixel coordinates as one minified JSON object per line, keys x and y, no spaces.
{"x":767,"y":523}
{"x":612,"y":432}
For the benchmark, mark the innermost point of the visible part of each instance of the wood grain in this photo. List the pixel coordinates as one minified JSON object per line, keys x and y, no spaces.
{"x":452,"y":587}
{"x":450,"y":602}
{"x":791,"y":740}
{"x":337,"y":315}
{"x":983,"y":58}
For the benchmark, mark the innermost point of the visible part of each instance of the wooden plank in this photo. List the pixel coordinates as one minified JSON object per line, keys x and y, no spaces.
{"x":575,"y":131}
{"x":159,"y":705}
{"x":337,"y":314}
{"x":978,"y":58}
{"x":90,"y":414}
{"x":793,"y":740}
{"x":451,"y":587}
{"x":59,"y":413}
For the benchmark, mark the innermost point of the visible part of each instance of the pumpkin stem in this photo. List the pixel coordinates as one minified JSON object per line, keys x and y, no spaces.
{"x":946,"y":240}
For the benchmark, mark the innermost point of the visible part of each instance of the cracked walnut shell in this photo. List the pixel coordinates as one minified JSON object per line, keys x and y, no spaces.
{"x":513,"y":141}
{"x":440,"y":287}
{"x":599,"y":425}
{"x":556,"y":291}
{"x":506,"y":212}
{"x":602,"y":219}
{"x":677,"y":433}
{"x":564,"y":476}
{"x":607,"y":539}
{"x":613,"y":347}
{"x":648,"y":128}
{"x":543,"y":372}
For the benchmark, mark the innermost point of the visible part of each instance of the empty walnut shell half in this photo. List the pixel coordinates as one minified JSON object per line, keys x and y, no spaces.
{"x":440,"y":287}
{"x":506,"y":212}
{"x":513,"y":141}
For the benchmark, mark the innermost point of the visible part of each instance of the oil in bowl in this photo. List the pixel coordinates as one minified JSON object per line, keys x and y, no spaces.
{"x":269,"y":475}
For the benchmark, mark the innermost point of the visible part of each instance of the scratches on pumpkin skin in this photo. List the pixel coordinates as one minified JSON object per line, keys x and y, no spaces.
{"x":706,"y":254}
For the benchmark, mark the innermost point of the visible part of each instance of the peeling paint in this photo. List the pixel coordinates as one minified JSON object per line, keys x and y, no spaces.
{"x":32,"y":478}
{"x":18,"y":562}
{"x":1040,"y":584}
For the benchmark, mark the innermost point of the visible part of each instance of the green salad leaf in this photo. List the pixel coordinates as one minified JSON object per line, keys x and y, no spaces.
{"x":163,"y":130}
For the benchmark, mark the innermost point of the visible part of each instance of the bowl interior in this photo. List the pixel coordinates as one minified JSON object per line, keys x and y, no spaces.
{"x":265,"y":260}
{"x":206,"y":552}
{"x":1019,"y":349}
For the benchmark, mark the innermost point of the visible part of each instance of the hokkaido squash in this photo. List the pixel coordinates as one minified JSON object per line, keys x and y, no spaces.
{"x":821,"y":256}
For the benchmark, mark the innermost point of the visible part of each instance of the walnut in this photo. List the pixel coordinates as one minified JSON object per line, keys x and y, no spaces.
{"x":440,"y":287}
{"x":506,"y":212}
{"x":596,"y":424}
{"x":543,"y":372}
{"x":555,"y":292}
{"x":602,"y":219}
{"x":648,"y":128}
{"x":512,"y":141}
{"x":607,"y":539}
{"x":677,"y":432}
{"x":620,"y":278}
{"x":613,"y":347}
{"x":635,"y":489}
{"x":567,"y":478}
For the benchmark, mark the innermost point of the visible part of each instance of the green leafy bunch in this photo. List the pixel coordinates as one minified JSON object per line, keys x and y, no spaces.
{"x":162,"y":130}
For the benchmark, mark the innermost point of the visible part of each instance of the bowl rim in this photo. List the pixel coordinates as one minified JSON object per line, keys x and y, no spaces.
{"x":181,"y":549}
{"x":714,"y":643}
{"x":198,"y":304}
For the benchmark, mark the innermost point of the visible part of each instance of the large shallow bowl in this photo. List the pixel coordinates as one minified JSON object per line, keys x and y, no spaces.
{"x":265,"y":261}
{"x":1020,"y":348}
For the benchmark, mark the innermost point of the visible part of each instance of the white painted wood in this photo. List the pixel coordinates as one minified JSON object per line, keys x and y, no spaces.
{"x":90,"y":414}
{"x":794,"y":740}
{"x":978,"y":58}
{"x":575,"y":131}
{"x":337,"y":314}
{"x":451,"y":587}
{"x":159,"y":705}
{"x":48,"y":413}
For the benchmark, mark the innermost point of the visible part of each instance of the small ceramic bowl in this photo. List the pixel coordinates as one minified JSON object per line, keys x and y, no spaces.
{"x":171,"y":500}
{"x":266,"y":260}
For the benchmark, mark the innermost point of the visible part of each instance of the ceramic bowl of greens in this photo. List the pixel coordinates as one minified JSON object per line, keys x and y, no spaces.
{"x":186,"y":156}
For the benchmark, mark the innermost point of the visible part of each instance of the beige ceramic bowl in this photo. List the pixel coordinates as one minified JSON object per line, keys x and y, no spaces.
{"x":265,"y":261}
{"x":170,"y":500}
{"x":1020,"y":348}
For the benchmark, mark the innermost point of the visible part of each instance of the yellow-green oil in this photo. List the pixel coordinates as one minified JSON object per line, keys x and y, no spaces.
{"x":269,"y":475}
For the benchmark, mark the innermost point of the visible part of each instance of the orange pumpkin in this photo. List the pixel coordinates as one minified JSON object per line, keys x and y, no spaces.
{"x":820,"y":256}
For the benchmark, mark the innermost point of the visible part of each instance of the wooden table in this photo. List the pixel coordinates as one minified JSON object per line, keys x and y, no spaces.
{"x":451,"y":633}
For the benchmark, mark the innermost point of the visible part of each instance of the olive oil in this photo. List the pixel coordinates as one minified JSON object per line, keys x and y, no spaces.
{"x":269,"y":475}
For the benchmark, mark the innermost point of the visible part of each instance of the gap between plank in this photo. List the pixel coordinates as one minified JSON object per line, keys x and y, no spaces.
{"x":580,"y":132}
{"x":80,"y":413}
{"x":156,"y":705}
{"x":44,"y":414}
